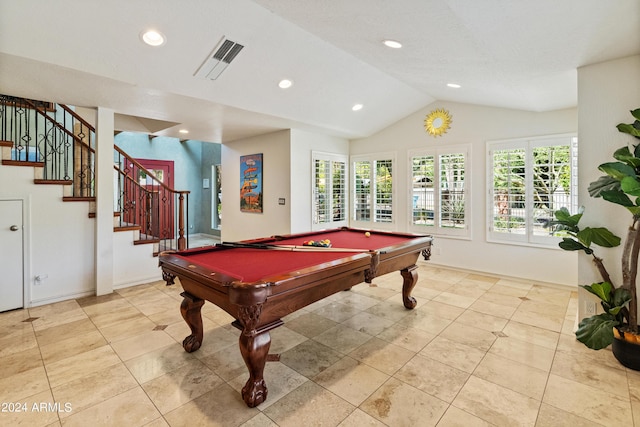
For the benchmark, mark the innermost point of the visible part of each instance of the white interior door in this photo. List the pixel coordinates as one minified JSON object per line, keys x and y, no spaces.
{"x":11,"y":281}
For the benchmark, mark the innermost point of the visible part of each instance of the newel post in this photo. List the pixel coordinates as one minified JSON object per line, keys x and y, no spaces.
{"x":181,"y":240}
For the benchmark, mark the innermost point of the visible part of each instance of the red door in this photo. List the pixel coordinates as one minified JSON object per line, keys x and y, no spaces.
{"x":159,"y":200}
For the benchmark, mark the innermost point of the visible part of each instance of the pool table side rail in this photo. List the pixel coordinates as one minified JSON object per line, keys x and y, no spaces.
{"x":281,"y":294}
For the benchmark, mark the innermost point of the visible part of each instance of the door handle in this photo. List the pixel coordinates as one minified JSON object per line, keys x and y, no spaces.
{"x":14,"y":228}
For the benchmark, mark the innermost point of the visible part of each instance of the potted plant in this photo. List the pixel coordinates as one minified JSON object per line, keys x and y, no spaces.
{"x":620,"y":186}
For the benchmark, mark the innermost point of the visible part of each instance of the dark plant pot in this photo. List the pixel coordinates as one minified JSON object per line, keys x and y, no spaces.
{"x":628,"y":354}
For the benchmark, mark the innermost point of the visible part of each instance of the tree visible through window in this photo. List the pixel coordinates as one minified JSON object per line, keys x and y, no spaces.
{"x":373,"y":190}
{"x":529,"y":181}
{"x":329,"y":190}
{"x":438,"y":190}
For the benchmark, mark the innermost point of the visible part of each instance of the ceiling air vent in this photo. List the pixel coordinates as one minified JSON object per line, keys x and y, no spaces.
{"x":221,"y":56}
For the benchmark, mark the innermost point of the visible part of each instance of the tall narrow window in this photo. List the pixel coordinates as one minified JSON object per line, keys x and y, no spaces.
{"x":216,"y":197}
{"x":372,"y":190}
{"x":362,"y":191}
{"x":529,"y":180}
{"x":384,"y":191}
{"x":439,"y":200}
{"x":329,"y":190}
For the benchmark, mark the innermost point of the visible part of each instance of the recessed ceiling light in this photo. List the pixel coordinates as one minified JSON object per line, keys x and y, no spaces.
{"x":393,"y":44}
{"x":285,"y":84}
{"x":183,"y":131}
{"x":153,"y":38}
{"x":357,"y":107}
{"x":454,"y":85}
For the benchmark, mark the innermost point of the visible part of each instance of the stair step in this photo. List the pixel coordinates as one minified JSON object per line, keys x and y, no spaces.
{"x":146,"y":241}
{"x":53,"y":181}
{"x":93,"y":214}
{"x":127,"y":228}
{"x":6,"y":144}
{"x":21,"y":163}
{"x":78,"y":199}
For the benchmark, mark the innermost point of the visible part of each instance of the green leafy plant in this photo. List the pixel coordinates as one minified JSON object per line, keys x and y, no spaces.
{"x":620,"y":186}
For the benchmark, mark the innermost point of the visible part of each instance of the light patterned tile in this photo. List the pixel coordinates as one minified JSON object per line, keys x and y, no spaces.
{"x":584,"y":371}
{"x":158,"y":362}
{"x":496,"y":404}
{"x":310,"y":324}
{"x":368,"y":323}
{"x":342,"y":338}
{"x":610,"y":410}
{"x":523,"y":352}
{"x":469,"y":335}
{"x":31,"y":411}
{"x":409,"y":338}
{"x":455,"y":417}
{"x":513,"y":375}
{"x":94,"y":388}
{"x":308,"y":405}
{"x":454,"y":354}
{"x":222,"y":406}
{"x":280,"y":380}
{"x":399,"y":404}
{"x":549,"y":416}
{"x":23,"y":384}
{"x":81,"y":365}
{"x":532,"y":334}
{"x":351,"y":380}
{"x":432,"y":377}
{"x":72,"y":346}
{"x":181,"y":385}
{"x":381,"y":355}
{"x":131,"y":408}
{"x":141,"y":344}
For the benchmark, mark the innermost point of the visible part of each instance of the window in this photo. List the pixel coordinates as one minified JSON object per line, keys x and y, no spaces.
{"x":372,"y":190}
{"x":216,"y":197}
{"x":439,"y":201}
{"x":528,"y":181}
{"x":329,"y":190}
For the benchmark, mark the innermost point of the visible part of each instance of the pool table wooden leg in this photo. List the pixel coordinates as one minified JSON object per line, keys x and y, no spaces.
{"x":190,"y":309}
{"x":410,"y":276}
{"x":254,"y":350}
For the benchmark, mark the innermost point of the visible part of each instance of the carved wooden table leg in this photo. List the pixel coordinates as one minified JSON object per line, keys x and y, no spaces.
{"x":190,"y":309}
{"x":255,"y":349}
{"x":410,"y":276}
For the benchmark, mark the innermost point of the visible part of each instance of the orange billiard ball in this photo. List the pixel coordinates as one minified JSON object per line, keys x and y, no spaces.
{"x":367,"y":234}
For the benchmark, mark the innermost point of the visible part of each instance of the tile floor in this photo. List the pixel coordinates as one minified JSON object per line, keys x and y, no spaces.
{"x":476,"y":351}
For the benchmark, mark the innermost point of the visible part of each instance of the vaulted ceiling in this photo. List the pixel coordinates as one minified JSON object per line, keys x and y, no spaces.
{"x":517,"y":54}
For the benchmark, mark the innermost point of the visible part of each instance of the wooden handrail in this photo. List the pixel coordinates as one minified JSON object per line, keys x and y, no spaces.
{"x":59,"y":126}
{"x":78,"y":117}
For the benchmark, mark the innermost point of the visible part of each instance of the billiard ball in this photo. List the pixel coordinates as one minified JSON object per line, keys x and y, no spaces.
{"x":367,"y":234}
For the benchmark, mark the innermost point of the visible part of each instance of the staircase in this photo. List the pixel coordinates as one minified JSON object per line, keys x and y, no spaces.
{"x":60,"y":146}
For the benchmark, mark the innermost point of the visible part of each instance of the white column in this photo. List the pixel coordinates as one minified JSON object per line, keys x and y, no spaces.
{"x":104,"y":201}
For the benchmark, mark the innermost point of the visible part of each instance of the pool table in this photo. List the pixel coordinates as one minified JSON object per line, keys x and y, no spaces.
{"x":260,"y":285}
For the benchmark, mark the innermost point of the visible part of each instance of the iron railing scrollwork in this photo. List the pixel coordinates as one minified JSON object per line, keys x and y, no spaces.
{"x":56,"y":138}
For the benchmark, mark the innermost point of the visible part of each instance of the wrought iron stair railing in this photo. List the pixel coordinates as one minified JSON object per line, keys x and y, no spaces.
{"x":58,"y":141}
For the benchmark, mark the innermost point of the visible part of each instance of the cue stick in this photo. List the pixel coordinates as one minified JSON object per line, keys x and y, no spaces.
{"x":291,"y":248}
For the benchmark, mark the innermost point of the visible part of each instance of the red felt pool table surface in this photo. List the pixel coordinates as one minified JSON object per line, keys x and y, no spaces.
{"x":251,"y":265}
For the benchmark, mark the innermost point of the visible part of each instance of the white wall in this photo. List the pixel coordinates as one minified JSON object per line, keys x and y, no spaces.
{"x":60,"y":238}
{"x":276,"y":183}
{"x":475,"y":125}
{"x":302,"y":145}
{"x":606,"y":93}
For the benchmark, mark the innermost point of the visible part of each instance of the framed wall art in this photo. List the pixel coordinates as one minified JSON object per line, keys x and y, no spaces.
{"x":251,"y":183}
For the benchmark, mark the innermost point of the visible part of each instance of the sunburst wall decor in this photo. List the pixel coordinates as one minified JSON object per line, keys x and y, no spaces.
{"x":437,"y":122}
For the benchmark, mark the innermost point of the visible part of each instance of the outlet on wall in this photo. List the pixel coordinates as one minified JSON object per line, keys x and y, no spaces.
{"x":590,"y":307}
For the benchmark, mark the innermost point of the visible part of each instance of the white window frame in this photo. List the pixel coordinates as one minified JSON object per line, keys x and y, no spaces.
{"x":332,"y":157}
{"x":528,"y":144}
{"x":437,"y":229}
{"x":372,"y":158}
